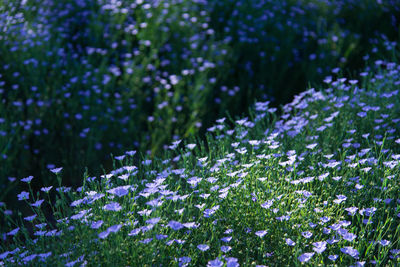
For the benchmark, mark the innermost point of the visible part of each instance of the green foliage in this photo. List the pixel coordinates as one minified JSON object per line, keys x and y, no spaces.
{"x":319,"y":180}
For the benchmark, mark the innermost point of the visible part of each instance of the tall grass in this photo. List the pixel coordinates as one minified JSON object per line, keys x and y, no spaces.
{"x":318,"y":184}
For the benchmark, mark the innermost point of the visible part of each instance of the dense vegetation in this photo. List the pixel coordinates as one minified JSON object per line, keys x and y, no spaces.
{"x":243,"y":132}
{"x":82,"y":79}
{"x":318,"y":184}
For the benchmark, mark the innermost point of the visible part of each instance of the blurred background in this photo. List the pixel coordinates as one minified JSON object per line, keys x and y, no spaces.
{"x":83,"y":79}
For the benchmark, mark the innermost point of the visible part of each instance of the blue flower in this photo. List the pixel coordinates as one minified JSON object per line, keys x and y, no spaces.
{"x":305,"y":257}
{"x":203,"y":247}
{"x":96,"y":225}
{"x":56,"y":170}
{"x":350,"y":251}
{"x":261,"y":233}
{"x":319,"y":247}
{"x":113,"y":206}
{"x":290,"y":242}
{"x":185,"y":260}
{"x":23,"y":195}
{"x":27,"y":179}
{"x":30,"y":218}
{"x":384,"y":242}
{"x":46,"y":189}
{"x":333,"y":257}
{"x":37,"y":203}
{"x":104,"y":234}
{"x":174,"y":225}
{"x":119,"y":191}
{"x":153,"y":220}
{"x":307,"y":234}
{"x":232,"y":262}
{"x":215,"y":263}
{"x":13,"y":232}
{"x":225,"y":249}
{"x":349,"y":237}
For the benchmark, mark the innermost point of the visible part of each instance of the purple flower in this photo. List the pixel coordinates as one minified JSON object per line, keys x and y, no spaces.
{"x":161,"y":237}
{"x":333,"y":257}
{"x":120,"y":157}
{"x":305,"y":257}
{"x":267,"y":204}
{"x":113,"y":206}
{"x":349,"y":237}
{"x":324,"y":219}
{"x":307,"y":234}
{"x":131,"y":153}
{"x":96,"y":225}
{"x":232,"y":262}
{"x":350,"y":251}
{"x":153,"y":220}
{"x":185,"y":260}
{"x":46,"y":189}
{"x":13,"y":232}
{"x":191,"y":146}
{"x":283,"y":218}
{"x":312,"y":225}
{"x":368,"y":211}
{"x":56,"y":170}
{"x":395,"y":251}
{"x":76,"y":203}
{"x":23,"y":195}
{"x":215,"y":263}
{"x":27,"y":179}
{"x":384,"y":242}
{"x":226,"y":239}
{"x":45,"y":255}
{"x":340,"y":199}
{"x":323,"y":176}
{"x":104,"y":234}
{"x":37,"y":203}
{"x":134,"y":232}
{"x":130,"y":168}
{"x":79,"y":215}
{"x":290,"y":242}
{"x":190,"y":225}
{"x":311,"y":146}
{"x":319,"y":247}
{"x":174,"y":225}
{"x":351,"y":211}
{"x":361,"y":114}
{"x":155,"y":203}
{"x":209,"y":212}
{"x":225,"y":249}
{"x":111,"y":229}
{"x":4,"y":255}
{"x":29,"y":258}
{"x":203,"y":247}
{"x":261,"y":233}
{"x":119,"y":191}
{"x":30,"y":218}
{"x":114,"y":228}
